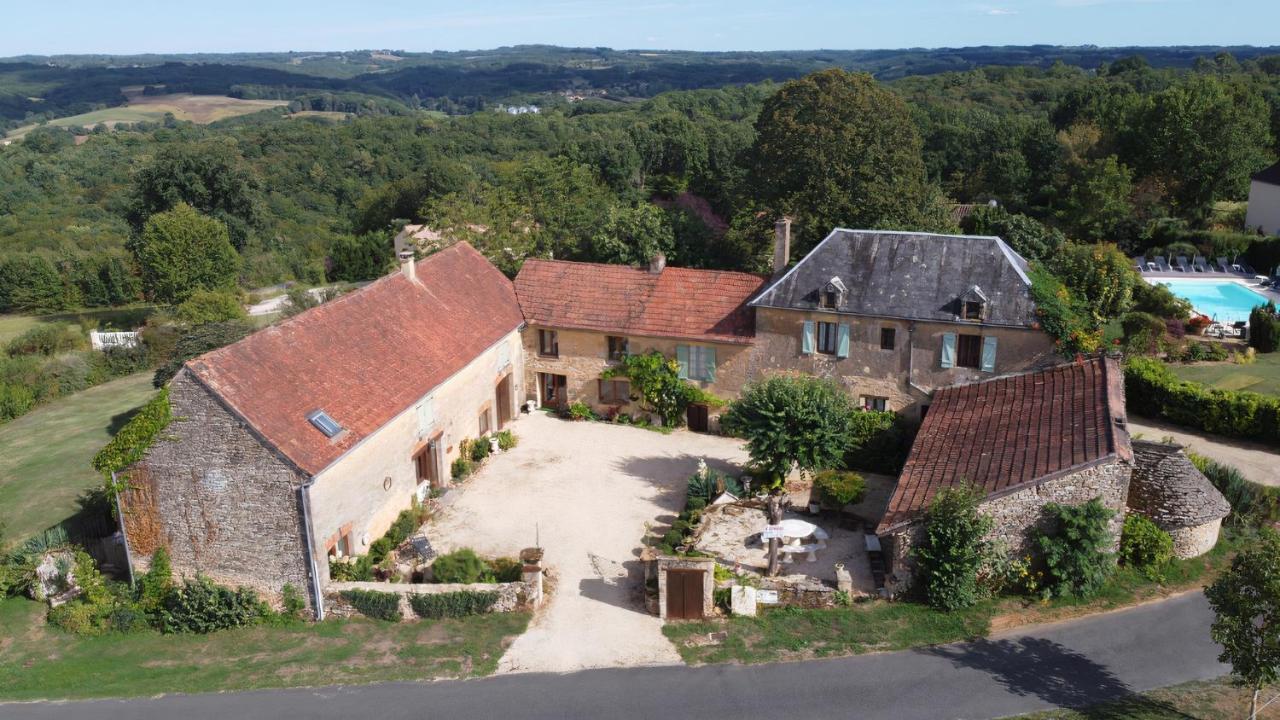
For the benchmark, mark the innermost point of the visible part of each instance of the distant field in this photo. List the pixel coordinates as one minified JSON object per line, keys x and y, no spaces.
{"x":1260,"y":377}
{"x":127,"y":318}
{"x":152,"y":108}
{"x":45,"y":454}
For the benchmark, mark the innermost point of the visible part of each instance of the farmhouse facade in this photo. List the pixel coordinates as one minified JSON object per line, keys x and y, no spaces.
{"x":305,"y":440}
{"x":893,"y":316}
{"x":1263,"y":212}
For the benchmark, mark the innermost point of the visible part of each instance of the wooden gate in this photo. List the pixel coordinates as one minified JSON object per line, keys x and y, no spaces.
{"x":684,"y":594}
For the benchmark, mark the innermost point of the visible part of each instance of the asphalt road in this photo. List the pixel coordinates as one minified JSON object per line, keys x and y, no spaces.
{"x":1067,"y":664}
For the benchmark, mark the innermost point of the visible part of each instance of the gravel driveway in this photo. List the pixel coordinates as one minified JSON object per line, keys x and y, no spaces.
{"x":587,"y":489}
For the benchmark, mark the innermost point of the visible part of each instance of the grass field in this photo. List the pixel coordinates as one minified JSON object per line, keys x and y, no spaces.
{"x":1203,"y":700}
{"x":152,"y":108}
{"x":1261,"y":377}
{"x":45,"y":454}
{"x":38,"y":661}
{"x":124,"y":318}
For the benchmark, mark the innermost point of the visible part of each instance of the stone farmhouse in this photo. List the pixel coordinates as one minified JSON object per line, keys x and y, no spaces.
{"x":1056,"y":435}
{"x":893,"y":316}
{"x":307,"y":438}
{"x":583,"y":317}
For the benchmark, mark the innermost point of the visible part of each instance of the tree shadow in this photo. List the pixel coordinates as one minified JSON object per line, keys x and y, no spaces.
{"x":119,"y":420}
{"x":624,"y":591}
{"x":1056,"y":674}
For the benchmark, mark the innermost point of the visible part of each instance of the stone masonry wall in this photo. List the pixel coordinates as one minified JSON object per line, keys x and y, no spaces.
{"x":225,"y":504}
{"x":510,"y":595}
{"x":874,"y":372}
{"x":1176,"y":497}
{"x":584,"y":354}
{"x":1194,"y":541}
{"x":1018,"y":513}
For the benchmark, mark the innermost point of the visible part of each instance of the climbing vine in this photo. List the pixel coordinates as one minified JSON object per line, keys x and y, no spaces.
{"x":657,"y":385}
{"x":131,"y":443}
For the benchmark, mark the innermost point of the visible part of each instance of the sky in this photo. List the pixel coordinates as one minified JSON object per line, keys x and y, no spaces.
{"x":141,"y":26}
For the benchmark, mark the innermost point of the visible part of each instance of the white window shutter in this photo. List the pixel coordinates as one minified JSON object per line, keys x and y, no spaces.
{"x":989,"y":354}
{"x":948,"y":350}
{"x":806,"y":338}
{"x":842,"y":342}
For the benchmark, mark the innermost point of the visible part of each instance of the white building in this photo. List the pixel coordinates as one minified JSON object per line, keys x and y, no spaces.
{"x":1264,"y":201}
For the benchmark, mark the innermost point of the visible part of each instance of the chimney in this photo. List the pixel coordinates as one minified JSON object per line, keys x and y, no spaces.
{"x":657,"y":264}
{"x":781,"y":245}
{"x":406,"y":264}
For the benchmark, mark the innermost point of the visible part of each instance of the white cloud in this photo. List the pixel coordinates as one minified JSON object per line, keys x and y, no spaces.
{"x":999,"y":11}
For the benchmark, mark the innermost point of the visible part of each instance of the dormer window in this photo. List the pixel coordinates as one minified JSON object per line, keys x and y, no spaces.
{"x":832,"y":294}
{"x":973,"y":304}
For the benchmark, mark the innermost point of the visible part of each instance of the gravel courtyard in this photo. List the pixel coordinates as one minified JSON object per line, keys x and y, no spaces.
{"x":587,"y":489}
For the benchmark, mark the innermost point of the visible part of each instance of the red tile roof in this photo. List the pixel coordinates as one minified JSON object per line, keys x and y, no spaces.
{"x":677,"y":302}
{"x":364,"y":357}
{"x":1013,"y":432}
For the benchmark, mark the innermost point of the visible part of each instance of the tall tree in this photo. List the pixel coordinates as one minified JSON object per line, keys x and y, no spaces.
{"x":632,"y":235}
{"x":1246,"y":606}
{"x":209,"y":176}
{"x":835,"y":149}
{"x":1098,"y":274}
{"x":181,"y":251}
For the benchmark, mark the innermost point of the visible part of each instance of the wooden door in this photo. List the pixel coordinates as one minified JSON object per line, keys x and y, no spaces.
{"x":698,"y":420}
{"x":553,"y":391}
{"x":684,"y":594}
{"x":503,"y":402}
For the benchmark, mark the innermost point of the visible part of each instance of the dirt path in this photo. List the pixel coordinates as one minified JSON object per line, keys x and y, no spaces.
{"x":587,"y":489}
{"x":1256,"y":461}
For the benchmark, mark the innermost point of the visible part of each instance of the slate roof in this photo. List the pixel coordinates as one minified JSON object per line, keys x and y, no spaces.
{"x":364,"y":357}
{"x":1270,"y":176}
{"x":908,"y":275}
{"x":1168,"y":488}
{"x":1011,"y":433}
{"x":681,"y":303}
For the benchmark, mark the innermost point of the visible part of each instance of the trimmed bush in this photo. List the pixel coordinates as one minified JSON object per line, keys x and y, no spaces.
{"x":459,"y":566}
{"x":200,"y":606}
{"x":374,"y":604}
{"x":506,"y":440}
{"x":453,"y":604}
{"x":1144,"y":546}
{"x":1152,"y":390}
{"x":1264,"y":328}
{"x":839,"y":488}
{"x":953,"y":549}
{"x":1075,"y":554}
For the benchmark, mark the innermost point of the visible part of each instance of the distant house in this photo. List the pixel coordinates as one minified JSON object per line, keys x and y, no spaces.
{"x":893,"y":316}
{"x":583,"y":317}
{"x":1263,"y":213}
{"x":1054,"y":435}
{"x":305,"y":440}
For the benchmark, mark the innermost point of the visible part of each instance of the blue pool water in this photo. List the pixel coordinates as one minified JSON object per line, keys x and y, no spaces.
{"x":1222,"y":300}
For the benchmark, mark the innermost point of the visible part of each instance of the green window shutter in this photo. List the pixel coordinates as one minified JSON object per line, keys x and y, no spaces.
{"x":709,"y":364}
{"x":989,"y":354}
{"x":948,"y":350}
{"x":842,"y":342}
{"x":682,"y":358}
{"x":806,"y":340}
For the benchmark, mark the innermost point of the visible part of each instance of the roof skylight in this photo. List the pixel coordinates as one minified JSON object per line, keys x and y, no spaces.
{"x":325,"y":424}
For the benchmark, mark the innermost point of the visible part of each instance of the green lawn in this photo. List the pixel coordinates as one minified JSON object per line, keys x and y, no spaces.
{"x":45,"y":454}
{"x":1262,"y":377}
{"x":128,"y":318}
{"x":1202,"y":700}
{"x":38,"y":661}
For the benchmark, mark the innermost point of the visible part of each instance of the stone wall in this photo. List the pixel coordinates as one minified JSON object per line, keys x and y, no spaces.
{"x":1169,"y":490}
{"x":364,"y":491}
{"x":510,"y":595}
{"x":706,"y":565}
{"x":871,"y":371}
{"x":1017,"y":514}
{"x":223,"y":503}
{"x":584,"y":354}
{"x":1194,"y":541}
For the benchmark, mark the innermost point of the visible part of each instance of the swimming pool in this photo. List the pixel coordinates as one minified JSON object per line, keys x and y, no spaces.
{"x":1222,"y":300}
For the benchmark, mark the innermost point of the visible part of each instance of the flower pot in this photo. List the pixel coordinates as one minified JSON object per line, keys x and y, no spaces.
{"x":493,"y":445}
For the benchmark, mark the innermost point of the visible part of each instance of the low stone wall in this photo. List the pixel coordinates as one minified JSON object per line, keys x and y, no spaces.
{"x":511,"y":596}
{"x":1189,"y":542}
{"x":805,"y":594}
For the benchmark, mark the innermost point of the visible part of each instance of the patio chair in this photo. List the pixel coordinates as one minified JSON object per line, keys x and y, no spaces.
{"x":1181,"y":260}
{"x":1200,"y":265}
{"x":1163,"y":264}
{"x":1223,"y":265}
{"x":1140,"y":263}
{"x":1247,"y":270}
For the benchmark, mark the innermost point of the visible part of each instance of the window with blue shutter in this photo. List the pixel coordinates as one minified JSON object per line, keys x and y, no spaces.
{"x":806,"y":338}
{"x":948,"y":350}
{"x":682,"y":359}
{"x":842,"y":344}
{"x":708,"y":364}
{"x":989,"y":354}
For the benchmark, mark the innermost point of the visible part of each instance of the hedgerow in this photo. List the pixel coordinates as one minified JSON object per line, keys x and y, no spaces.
{"x":1152,"y":390}
{"x":133,"y":440}
{"x":453,"y":604}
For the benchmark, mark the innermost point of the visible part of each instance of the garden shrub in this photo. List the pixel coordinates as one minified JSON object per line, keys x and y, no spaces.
{"x":656,"y":384}
{"x":506,"y":440}
{"x":708,"y":486}
{"x":792,"y":421}
{"x":879,"y":441}
{"x":459,"y":566}
{"x":581,"y":411}
{"x":480,"y":450}
{"x":358,"y":569}
{"x":453,"y":604}
{"x":1159,"y":300}
{"x":1264,"y":328}
{"x":291,"y":601}
{"x":48,"y":339}
{"x":953,"y":549}
{"x":1075,"y":548}
{"x":839,"y":488}
{"x":200,"y":606}
{"x":1145,"y":547}
{"x":505,"y":570}
{"x":211,"y":306}
{"x":672,"y":539}
{"x":461,"y":468}
{"x":1142,"y":331}
{"x":156,"y":583}
{"x":374,"y":604}
{"x":1152,"y":390}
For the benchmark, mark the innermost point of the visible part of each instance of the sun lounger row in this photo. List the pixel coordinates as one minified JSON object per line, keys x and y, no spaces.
{"x":1198,"y":264}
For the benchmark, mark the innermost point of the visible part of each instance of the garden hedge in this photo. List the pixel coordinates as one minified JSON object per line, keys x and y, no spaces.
{"x":374,"y":604}
{"x":1152,"y":390}
{"x":453,"y":604}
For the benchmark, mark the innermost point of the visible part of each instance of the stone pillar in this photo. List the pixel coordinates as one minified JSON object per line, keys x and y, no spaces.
{"x":531,"y":575}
